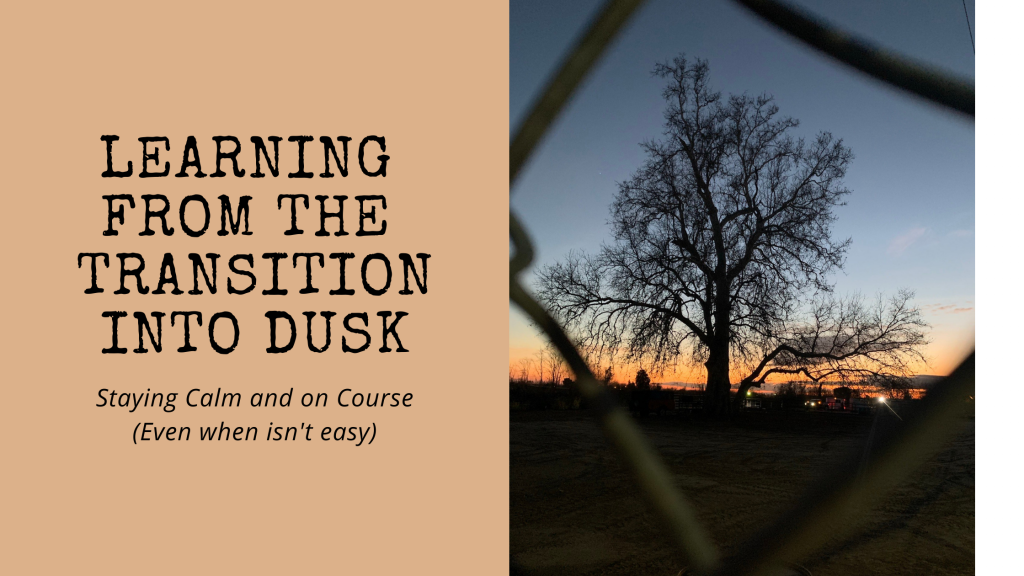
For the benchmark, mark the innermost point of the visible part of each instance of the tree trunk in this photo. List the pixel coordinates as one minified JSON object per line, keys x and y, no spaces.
{"x":716,"y":393}
{"x":741,"y":393}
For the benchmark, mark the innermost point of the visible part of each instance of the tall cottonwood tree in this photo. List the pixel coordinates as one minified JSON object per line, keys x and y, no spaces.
{"x":722,"y":250}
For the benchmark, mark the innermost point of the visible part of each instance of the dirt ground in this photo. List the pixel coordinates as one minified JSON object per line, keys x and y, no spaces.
{"x":575,"y":510}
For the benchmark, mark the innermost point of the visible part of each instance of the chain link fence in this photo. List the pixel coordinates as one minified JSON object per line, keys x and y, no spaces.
{"x":832,"y":505}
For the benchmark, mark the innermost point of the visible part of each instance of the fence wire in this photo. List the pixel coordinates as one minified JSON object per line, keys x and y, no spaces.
{"x":832,"y":506}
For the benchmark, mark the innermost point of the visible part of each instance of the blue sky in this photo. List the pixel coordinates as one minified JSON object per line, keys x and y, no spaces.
{"x":911,"y":213}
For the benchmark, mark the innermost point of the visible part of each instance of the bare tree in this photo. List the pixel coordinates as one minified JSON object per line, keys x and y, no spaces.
{"x":722,"y":249}
{"x":541,"y":355}
{"x":525,"y":367}
{"x":847,"y":340}
{"x":607,"y":376}
{"x":558,"y":368}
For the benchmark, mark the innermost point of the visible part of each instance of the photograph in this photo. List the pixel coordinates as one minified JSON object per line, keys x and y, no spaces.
{"x":742,"y":288}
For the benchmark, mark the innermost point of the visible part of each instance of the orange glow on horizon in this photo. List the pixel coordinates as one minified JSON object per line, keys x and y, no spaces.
{"x":951,"y":335}
{"x":943,"y":359}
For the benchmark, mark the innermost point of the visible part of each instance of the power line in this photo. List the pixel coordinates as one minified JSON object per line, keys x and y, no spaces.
{"x":969,"y":31}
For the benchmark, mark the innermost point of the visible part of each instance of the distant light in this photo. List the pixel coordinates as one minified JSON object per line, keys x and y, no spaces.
{"x":749,"y":393}
{"x":881,"y":399}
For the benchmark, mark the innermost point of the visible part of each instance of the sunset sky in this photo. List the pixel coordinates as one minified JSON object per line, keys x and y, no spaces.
{"x":911,"y":213}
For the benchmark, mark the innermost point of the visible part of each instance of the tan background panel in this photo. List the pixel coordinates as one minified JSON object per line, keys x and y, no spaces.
{"x":430,"y":495}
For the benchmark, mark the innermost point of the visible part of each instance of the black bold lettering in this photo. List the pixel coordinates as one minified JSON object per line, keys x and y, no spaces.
{"x":275,"y":257}
{"x":328,"y":150}
{"x":252,"y":277}
{"x":190,"y":146}
{"x":165,"y":278}
{"x":342,"y":257}
{"x":154,"y":156}
{"x":324,"y":215}
{"x":309,"y":330}
{"x":391,"y":330}
{"x":197,"y":267}
{"x":226,"y":219}
{"x":233,"y":156}
{"x":144,"y":322}
{"x":206,"y":215}
{"x":382,"y":171}
{"x":161,"y":214}
{"x":408,"y":265}
{"x":273,"y":316}
{"x":293,"y":197}
{"x":261,"y":147}
{"x":309,"y":289}
{"x":371,"y":215}
{"x":119,"y":213}
{"x":366,"y":322}
{"x":114,"y":348}
{"x":188,"y":347}
{"x":234,"y":326}
{"x":137,"y":272}
{"x":110,"y":172}
{"x":387,"y":267}
{"x":301,"y":172}
{"x":94,"y":289}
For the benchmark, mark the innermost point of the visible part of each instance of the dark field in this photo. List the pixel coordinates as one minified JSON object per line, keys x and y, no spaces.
{"x":575,"y":509}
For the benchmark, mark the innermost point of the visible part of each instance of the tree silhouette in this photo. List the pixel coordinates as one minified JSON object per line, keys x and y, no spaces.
{"x":643,"y":381}
{"x":722,"y":248}
{"x":607,"y":378}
